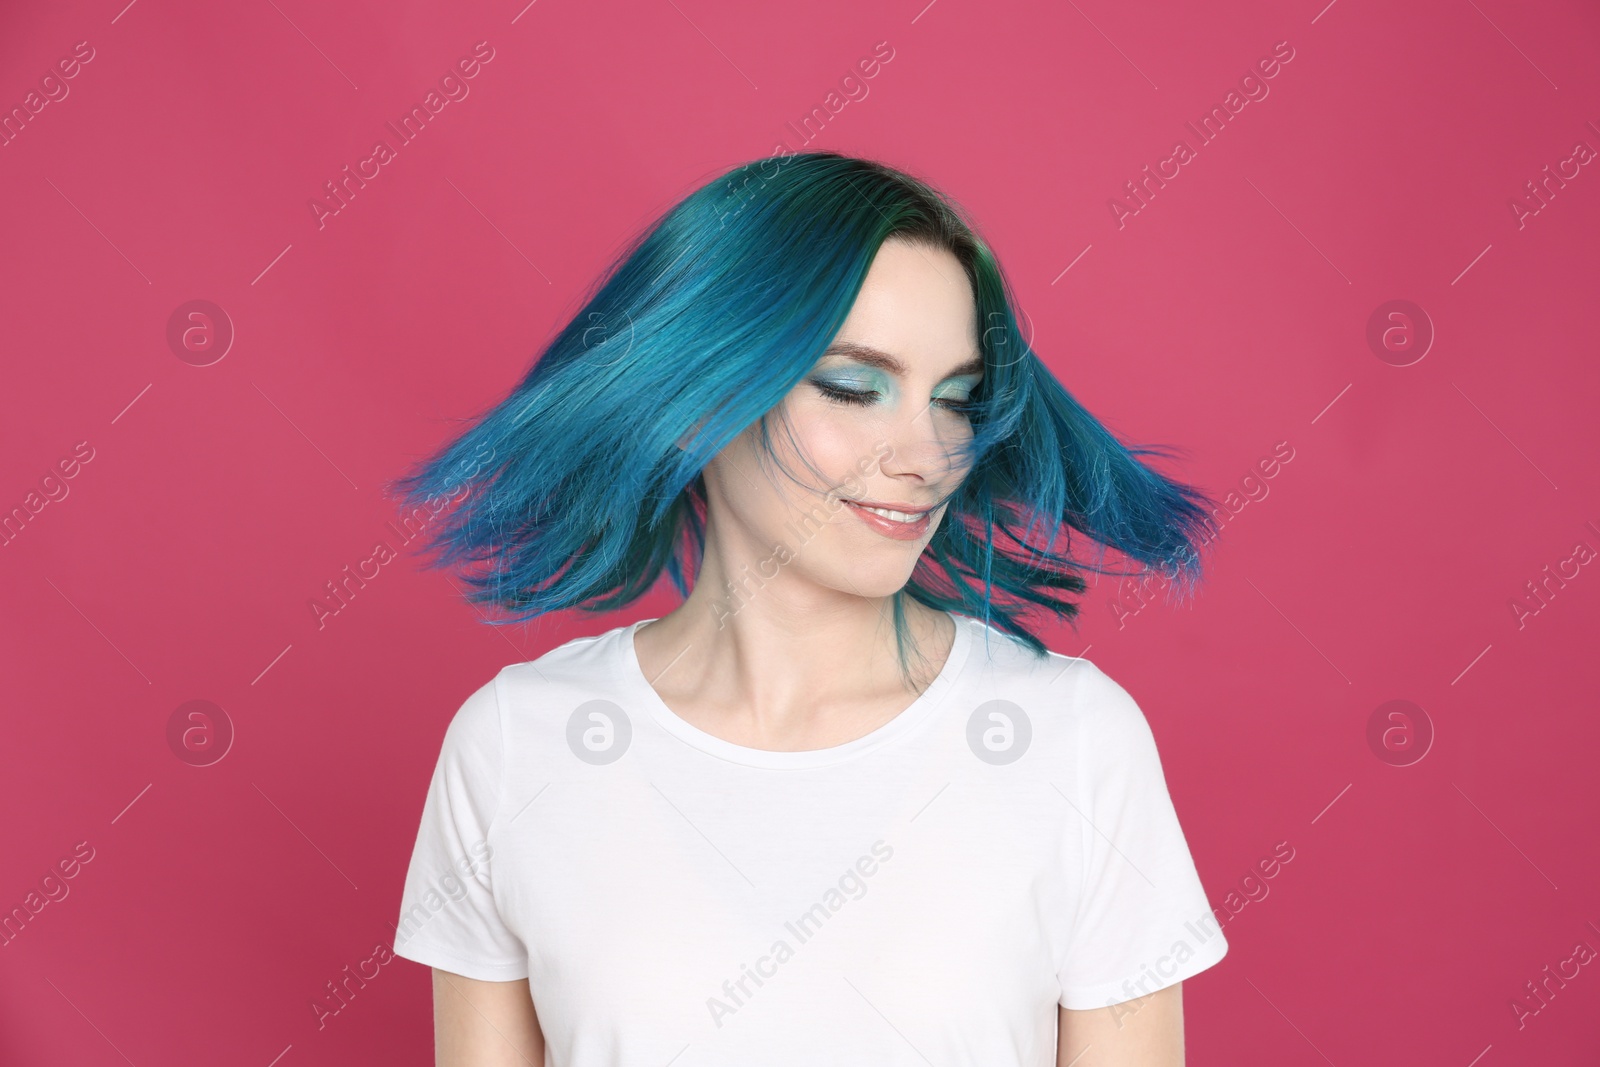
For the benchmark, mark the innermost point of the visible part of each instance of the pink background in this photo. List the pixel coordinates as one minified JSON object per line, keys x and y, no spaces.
{"x":1227,"y":315}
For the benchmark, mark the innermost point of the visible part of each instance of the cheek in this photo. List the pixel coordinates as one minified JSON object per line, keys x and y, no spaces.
{"x":767,"y":498}
{"x":841,"y":443}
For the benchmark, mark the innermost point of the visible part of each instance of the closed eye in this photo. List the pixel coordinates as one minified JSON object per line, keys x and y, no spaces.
{"x":847,"y":396}
{"x":860,"y":398}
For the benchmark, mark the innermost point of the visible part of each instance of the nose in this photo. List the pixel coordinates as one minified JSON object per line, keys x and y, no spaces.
{"x":921,"y":444}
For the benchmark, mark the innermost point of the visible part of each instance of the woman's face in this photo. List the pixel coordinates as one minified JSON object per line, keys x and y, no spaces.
{"x":878,"y":417}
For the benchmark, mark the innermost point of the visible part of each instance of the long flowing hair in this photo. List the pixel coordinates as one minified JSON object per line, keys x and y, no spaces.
{"x":573,"y":491}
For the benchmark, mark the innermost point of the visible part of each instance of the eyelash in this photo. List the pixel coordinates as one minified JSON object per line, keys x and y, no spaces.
{"x":856,"y":399}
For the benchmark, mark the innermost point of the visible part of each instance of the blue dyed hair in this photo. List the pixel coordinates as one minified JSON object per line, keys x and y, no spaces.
{"x":573,"y":492}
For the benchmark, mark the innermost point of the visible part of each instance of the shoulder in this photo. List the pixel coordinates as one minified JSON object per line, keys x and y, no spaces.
{"x":479,"y":723}
{"x":1071,"y":687}
{"x":1078,"y":712}
{"x":581,"y":662}
{"x":1114,"y":748}
{"x":1102,"y":700}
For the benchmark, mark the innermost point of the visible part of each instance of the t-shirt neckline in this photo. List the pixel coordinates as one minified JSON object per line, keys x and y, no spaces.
{"x":908,"y":719}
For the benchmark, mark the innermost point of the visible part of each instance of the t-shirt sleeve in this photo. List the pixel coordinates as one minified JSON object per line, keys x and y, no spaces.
{"x":448,"y":916}
{"x":1142,"y":921}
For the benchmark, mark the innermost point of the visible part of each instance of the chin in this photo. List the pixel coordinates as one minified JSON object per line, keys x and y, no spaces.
{"x":872,"y":582}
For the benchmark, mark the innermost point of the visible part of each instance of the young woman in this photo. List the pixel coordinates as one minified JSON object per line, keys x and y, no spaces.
{"x":840,"y":806}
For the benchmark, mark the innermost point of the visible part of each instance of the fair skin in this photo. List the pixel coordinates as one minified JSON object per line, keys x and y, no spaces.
{"x":492,"y":1024}
{"x":802,"y":655}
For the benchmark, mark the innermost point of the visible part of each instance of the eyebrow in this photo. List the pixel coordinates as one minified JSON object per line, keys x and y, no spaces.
{"x":874,"y":357}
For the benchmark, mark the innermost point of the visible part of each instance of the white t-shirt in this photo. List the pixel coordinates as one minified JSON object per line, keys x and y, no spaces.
{"x":925,"y":894}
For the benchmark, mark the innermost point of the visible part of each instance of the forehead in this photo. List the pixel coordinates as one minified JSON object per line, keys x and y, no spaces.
{"x":917,"y":305}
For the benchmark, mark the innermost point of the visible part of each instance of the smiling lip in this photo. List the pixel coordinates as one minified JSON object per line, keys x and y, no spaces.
{"x":891,"y":528}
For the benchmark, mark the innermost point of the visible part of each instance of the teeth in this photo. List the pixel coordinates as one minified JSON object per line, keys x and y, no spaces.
{"x":897,"y":516}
